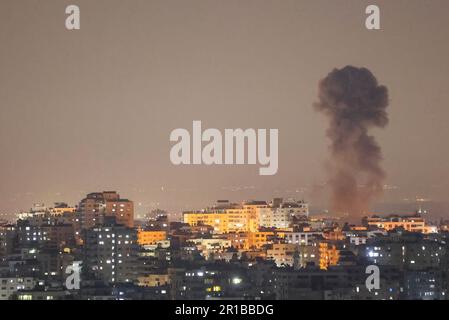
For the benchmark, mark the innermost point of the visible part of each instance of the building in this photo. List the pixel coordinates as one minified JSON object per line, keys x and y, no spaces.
{"x":229,"y":218}
{"x":304,"y":238}
{"x":247,"y":217}
{"x":49,"y":218}
{"x":98,"y":205}
{"x":218,"y":281}
{"x":159,"y":222}
{"x":8,"y":238}
{"x":36,"y":210}
{"x":313,"y":283}
{"x":280,"y":214}
{"x":274,"y":218}
{"x":250,"y":240}
{"x":210,"y":247}
{"x":413,"y":223}
{"x":145,"y":237}
{"x":111,"y":251}
{"x":58,"y":237}
{"x":122,"y":210}
{"x":424,"y":285}
{"x":154,"y":280}
{"x":151,"y":250}
{"x":406,"y":251}
{"x":283,"y":254}
{"x":29,"y":235}
{"x":308,"y":255}
{"x":61,"y":208}
{"x":329,"y":255}
{"x":10,"y":285}
{"x":43,"y":293}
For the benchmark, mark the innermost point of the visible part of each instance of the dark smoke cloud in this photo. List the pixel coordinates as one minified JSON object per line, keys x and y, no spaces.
{"x":354,"y":102}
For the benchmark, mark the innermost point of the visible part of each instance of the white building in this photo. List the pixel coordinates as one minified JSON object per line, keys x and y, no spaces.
{"x":274,"y":218}
{"x":302,"y":238}
{"x":295,"y":208}
{"x":280,"y":214}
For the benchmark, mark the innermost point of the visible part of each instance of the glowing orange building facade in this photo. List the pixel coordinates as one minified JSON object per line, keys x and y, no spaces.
{"x":244,"y":218}
{"x":150,"y":237}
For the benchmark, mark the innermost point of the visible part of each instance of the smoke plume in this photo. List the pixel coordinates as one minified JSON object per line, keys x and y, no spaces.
{"x":354,"y":102}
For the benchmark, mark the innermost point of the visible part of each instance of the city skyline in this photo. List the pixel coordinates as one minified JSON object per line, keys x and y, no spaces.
{"x":255,"y":250}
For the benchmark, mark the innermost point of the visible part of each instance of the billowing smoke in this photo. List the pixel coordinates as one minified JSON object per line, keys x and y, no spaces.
{"x":354,"y":102}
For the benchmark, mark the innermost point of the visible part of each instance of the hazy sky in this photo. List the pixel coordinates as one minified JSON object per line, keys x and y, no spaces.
{"x":93,"y":109}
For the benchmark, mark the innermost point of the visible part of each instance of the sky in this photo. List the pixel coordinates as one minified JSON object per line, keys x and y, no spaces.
{"x":92,"y":109}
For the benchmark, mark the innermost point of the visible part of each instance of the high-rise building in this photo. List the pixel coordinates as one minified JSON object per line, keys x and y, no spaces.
{"x":122,"y":210}
{"x":111,"y":252}
{"x":98,"y":205}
